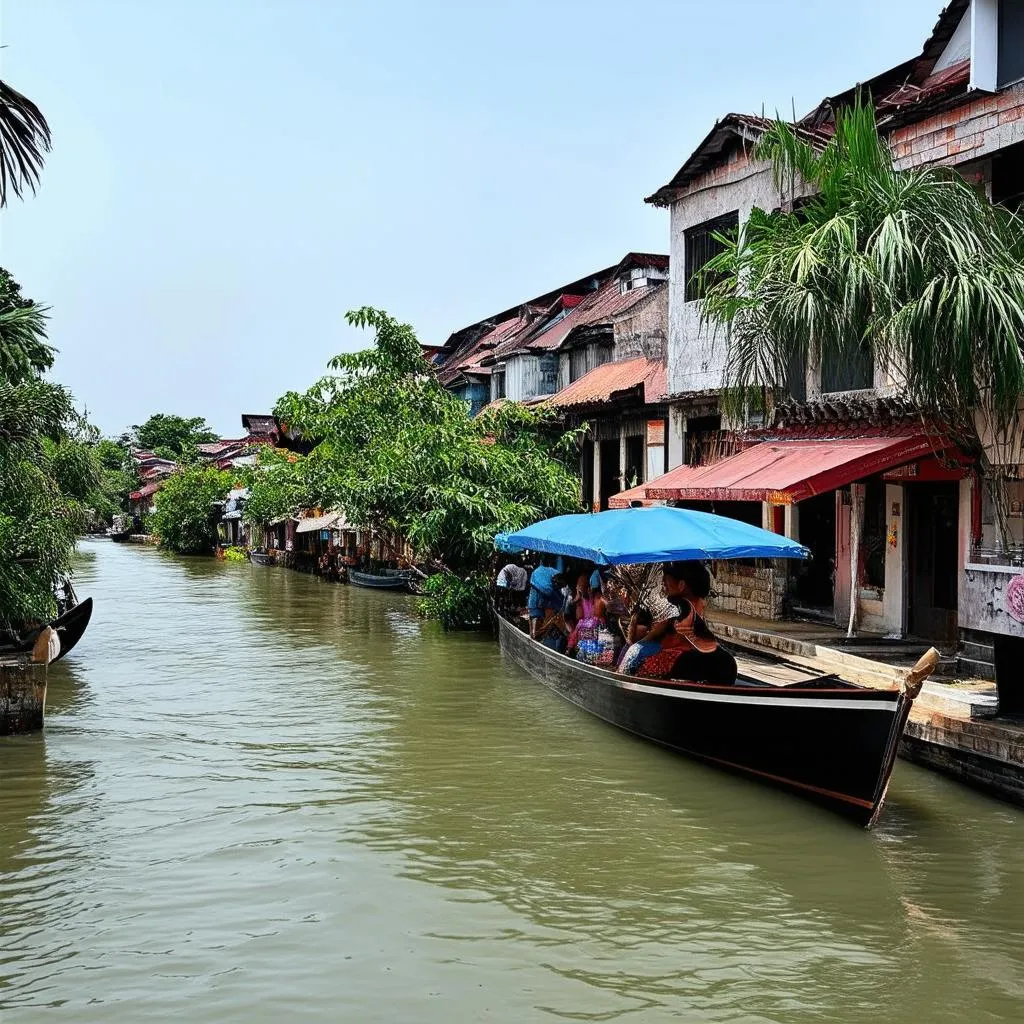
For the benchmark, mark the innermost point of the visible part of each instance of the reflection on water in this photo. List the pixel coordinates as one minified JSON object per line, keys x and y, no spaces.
{"x":262,"y":797}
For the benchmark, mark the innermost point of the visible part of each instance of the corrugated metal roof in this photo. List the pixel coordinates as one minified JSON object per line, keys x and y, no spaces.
{"x":610,"y":379}
{"x":328,"y":521}
{"x":785,"y":472}
{"x":599,"y":308}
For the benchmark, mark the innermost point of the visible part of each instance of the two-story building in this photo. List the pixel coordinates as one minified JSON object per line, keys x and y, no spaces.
{"x":898,"y":521}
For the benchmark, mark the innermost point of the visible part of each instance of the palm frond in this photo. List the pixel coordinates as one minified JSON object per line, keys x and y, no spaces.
{"x":24,"y":138}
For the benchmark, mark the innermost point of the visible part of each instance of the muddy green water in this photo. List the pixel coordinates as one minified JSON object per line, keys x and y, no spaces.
{"x":263,"y":798}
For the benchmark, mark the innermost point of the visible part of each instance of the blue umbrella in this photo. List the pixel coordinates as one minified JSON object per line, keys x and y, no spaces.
{"x":630,"y":536}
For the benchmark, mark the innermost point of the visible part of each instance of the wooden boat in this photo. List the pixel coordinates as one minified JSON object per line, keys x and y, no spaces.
{"x":391,"y":579}
{"x":261,"y":558}
{"x":69,"y":628}
{"x":823,"y":738}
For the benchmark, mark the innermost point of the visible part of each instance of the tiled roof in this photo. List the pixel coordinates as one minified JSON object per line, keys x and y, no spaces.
{"x":146,"y":491}
{"x":606,"y":382}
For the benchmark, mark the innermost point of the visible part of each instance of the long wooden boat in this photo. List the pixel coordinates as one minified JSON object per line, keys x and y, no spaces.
{"x":69,"y":628}
{"x":828,"y":740}
{"x":261,"y":558}
{"x":396,"y":579}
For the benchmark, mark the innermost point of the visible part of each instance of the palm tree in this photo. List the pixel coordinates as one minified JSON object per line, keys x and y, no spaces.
{"x":916,"y":266}
{"x":24,"y":138}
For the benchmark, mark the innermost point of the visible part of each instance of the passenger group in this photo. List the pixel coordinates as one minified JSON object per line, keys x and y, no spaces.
{"x":583,"y":612}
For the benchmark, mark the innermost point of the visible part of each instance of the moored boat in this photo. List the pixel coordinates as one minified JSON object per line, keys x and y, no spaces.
{"x":68,"y":627}
{"x":392,"y":579}
{"x":262,"y":558}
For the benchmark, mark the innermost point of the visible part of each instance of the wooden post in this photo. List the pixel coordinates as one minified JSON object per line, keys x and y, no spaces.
{"x":22,"y":695}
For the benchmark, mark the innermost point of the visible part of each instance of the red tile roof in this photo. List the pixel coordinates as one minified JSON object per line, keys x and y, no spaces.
{"x":145,"y":492}
{"x":608,"y":381}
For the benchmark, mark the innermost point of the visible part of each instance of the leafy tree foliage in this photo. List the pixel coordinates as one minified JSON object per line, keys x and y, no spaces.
{"x":183,"y":518}
{"x":171,"y":436}
{"x":916,"y":266}
{"x":401,"y":455}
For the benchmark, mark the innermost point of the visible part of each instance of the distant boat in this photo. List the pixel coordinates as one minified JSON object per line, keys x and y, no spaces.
{"x":121,"y":528}
{"x":262,"y":558}
{"x":69,"y":628}
{"x":391,"y":579}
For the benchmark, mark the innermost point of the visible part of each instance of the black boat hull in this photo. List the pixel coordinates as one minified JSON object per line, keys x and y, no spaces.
{"x":258,"y":558}
{"x":70,"y":627}
{"x":835,"y":746}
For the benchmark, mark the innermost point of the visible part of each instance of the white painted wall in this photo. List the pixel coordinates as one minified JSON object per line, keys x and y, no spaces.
{"x":985,"y":45}
{"x":696,"y":360}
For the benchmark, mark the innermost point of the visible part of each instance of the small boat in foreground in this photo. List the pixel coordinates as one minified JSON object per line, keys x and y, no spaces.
{"x":824,"y":738}
{"x":68,"y":628}
{"x":391,"y":579}
{"x":262,"y":558}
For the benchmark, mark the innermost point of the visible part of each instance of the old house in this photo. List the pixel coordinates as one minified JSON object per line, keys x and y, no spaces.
{"x":904,"y":541}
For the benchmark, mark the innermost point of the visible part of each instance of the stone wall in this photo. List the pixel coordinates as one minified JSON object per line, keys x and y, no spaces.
{"x":757,"y":590}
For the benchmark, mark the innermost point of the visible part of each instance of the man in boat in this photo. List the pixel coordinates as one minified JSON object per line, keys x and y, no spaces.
{"x":546,"y":605}
{"x":511,"y":586}
{"x":688,"y":648}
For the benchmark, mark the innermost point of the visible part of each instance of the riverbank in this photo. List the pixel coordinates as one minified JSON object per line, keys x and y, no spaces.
{"x":262,"y":797}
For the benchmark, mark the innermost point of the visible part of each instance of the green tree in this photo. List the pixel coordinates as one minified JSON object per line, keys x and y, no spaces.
{"x":916,"y":266}
{"x":401,"y":455}
{"x":172,"y":436}
{"x":184,"y":517}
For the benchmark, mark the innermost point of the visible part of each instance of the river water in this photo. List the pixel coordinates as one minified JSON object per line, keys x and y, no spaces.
{"x":260,"y":797}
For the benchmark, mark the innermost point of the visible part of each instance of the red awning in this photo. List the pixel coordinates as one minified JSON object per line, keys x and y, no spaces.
{"x":785,"y":472}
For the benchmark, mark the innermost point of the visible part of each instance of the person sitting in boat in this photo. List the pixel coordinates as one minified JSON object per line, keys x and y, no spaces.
{"x":510,"y":587}
{"x":688,"y":648}
{"x":545,"y":603}
{"x":638,"y":648}
{"x":590,"y":641}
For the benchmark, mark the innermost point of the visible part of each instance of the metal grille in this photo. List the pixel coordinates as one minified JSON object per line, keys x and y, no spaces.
{"x":701,"y":248}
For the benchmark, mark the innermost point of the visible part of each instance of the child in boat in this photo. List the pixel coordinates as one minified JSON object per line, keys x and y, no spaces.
{"x":689,"y":650}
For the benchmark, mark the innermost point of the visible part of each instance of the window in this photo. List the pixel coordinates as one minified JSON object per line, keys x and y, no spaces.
{"x":853,"y":370}
{"x":702,"y":246}
{"x":1010,"y":66}
{"x":1008,"y":177}
{"x":498,"y":391}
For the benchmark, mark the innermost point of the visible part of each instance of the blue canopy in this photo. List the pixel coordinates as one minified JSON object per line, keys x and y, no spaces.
{"x":629,"y":536}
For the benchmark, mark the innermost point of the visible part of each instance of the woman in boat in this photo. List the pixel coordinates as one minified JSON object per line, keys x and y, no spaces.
{"x":591,"y":640}
{"x":688,"y":648}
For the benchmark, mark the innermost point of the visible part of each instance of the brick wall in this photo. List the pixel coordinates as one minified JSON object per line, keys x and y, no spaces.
{"x":758,"y":591}
{"x":968,"y":132}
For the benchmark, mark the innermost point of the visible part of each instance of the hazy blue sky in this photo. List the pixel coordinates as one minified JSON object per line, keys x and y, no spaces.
{"x":230,"y":176}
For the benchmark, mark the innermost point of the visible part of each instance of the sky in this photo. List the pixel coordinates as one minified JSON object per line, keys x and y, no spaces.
{"x":228,"y":177}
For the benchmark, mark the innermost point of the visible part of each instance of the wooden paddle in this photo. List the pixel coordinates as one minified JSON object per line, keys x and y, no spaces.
{"x":920,"y":672}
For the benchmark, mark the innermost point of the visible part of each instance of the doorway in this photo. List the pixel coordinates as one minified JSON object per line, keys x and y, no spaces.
{"x":933,"y":539}
{"x":813,"y":580}
{"x":610,"y":482}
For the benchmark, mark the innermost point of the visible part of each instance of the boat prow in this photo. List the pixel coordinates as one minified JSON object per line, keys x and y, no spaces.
{"x":832,"y":742}
{"x":71,"y":625}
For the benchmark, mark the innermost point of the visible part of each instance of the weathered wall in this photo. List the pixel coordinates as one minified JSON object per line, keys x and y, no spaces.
{"x":528,"y":375}
{"x":643,"y":329}
{"x":968,"y":132}
{"x":989,"y":599}
{"x":696,"y":359}
{"x":758,"y":591}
